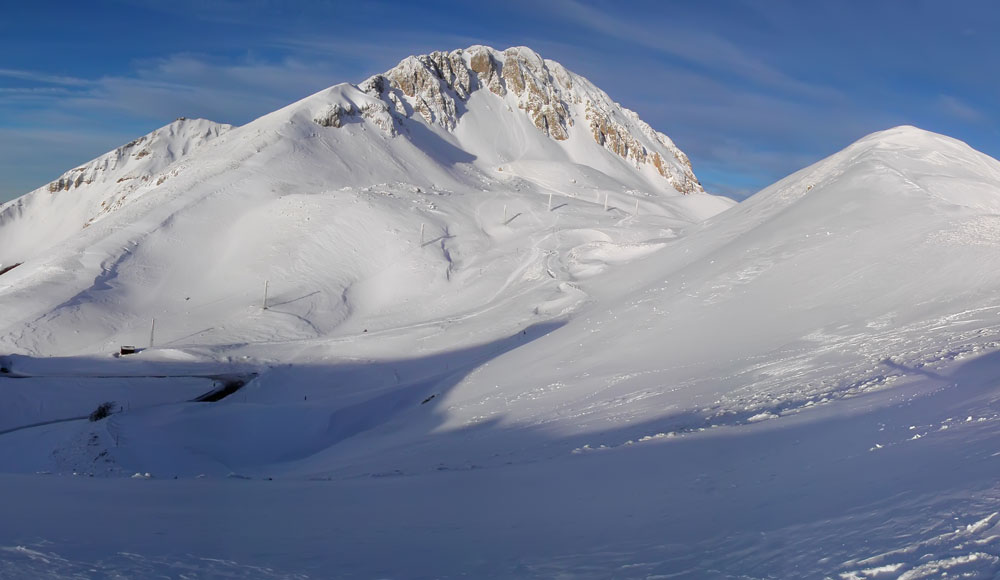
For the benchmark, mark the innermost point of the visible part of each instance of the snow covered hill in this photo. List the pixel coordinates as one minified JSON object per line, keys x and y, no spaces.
{"x":507,"y":335}
{"x":825,"y":285}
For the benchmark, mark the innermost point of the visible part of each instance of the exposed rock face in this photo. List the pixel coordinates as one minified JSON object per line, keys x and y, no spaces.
{"x":432,"y":82}
{"x":617,"y":138}
{"x":613,"y":135}
{"x":436,"y":86}
{"x":333,"y":115}
{"x":538,"y":92}
{"x":378,"y":113}
{"x":487,"y":70}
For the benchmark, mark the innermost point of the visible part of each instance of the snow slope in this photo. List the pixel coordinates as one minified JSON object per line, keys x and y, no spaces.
{"x":801,"y":386}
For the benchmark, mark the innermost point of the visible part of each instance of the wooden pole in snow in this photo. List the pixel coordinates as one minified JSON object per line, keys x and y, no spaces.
{"x":152,"y":331}
{"x":264,"y":303}
{"x":550,"y":202}
{"x":421,"y":234}
{"x":505,"y":214}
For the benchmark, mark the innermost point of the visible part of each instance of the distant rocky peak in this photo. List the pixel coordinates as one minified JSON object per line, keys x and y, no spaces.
{"x":436,"y":87}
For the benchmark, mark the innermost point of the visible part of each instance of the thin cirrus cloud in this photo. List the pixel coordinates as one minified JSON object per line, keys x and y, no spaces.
{"x":961,"y":110}
{"x":743,"y":121}
{"x":181,"y":85}
{"x":38,"y":77}
{"x":753,"y":91}
{"x":186,"y":85}
{"x":698,"y":47}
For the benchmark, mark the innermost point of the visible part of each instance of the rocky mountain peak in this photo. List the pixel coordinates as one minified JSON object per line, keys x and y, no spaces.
{"x":436,"y":87}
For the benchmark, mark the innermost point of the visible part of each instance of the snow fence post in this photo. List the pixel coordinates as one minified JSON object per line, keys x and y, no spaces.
{"x":550,"y":202}
{"x":152,"y":332}
{"x":264,"y":303}
{"x":422,"y":234}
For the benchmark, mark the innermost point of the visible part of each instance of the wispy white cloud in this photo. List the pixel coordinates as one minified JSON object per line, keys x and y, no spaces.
{"x":33,"y":92}
{"x":184,"y":85}
{"x":740,"y":137}
{"x":695,"y":46}
{"x":961,"y":110}
{"x":38,"y":77}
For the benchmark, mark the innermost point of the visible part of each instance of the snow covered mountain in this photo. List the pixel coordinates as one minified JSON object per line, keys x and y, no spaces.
{"x":487,"y":153}
{"x":472,"y":95}
{"x":507,"y":335}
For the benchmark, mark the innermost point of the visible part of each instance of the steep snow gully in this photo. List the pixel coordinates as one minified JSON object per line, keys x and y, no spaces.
{"x":506,"y":334}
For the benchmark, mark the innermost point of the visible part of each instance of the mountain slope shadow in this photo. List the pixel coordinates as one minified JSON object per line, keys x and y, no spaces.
{"x":416,"y":382}
{"x":289,"y":413}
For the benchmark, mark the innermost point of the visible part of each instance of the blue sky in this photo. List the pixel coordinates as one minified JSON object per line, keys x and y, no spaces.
{"x":751,"y":90}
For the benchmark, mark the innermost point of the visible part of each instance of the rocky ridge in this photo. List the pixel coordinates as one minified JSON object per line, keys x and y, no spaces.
{"x":144,"y":159}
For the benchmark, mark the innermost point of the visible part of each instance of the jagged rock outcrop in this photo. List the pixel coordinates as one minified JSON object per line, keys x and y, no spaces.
{"x":333,"y":115}
{"x":336,"y":114}
{"x":379,"y":114}
{"x":617,"y":138}
{"x":436,"y":87}
{"x":487,"y":70}
{"x":538,"y":92}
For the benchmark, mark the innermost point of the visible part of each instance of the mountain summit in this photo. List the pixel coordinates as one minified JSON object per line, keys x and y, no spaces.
{"x":439,"y":88}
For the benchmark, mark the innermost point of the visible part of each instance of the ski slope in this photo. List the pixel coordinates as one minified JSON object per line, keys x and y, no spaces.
{"x":803,"y":385}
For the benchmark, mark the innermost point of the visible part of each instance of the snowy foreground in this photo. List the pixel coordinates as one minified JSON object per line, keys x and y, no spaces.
{"x":806,"y":385}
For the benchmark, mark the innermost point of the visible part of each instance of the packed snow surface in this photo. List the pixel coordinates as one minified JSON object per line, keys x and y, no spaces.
{"x":497,"y":347}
